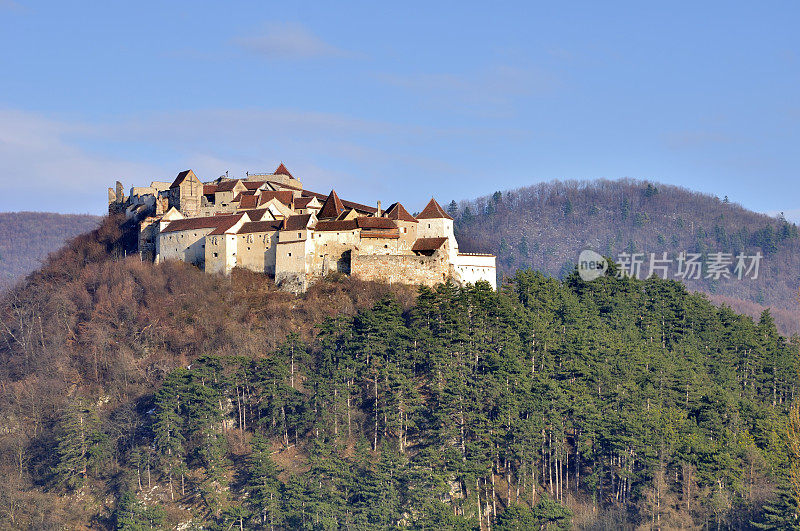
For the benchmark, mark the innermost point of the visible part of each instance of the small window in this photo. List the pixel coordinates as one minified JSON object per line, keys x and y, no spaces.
{"x":216,"y":255}
{"x":429,"y":225}
{"x":290,"y":254}
{"x":299,"y":234}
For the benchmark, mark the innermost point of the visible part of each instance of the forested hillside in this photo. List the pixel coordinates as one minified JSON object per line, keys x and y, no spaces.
{"x":26,"y":238}
{"x":138,"y":396}
{"x":547,"y":225}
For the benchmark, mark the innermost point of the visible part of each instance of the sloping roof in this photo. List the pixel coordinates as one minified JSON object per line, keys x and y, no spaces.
{"x":259,"y":226}
{"x":428,"y":244}
{"x":376,"y":223}
{"x":332,"y":226}
{"x":398,"y":212}
{"x":281,"y":170}
{"x":347,"y":204}
{"x":209,"y":189}
{"x":296,"y":222}
{"x":205,"y":222}
{"x":226,"y":224}
{"x":238,"y":197}
{"x":253,"y":185}
{"x":302,"y":202}
{"x":248,"y":201}
{"x":227,"y":186}
{"x":180,"y":178}
{"x":333,"y":206}
{"x":433,"y":211}
{"x":256,"y":214}
{"x":284,"y":196}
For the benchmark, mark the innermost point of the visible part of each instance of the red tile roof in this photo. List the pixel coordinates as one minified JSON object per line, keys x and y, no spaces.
{"x":428,"y":244}
{"x":433,"y":211}
{"x":259,"y":226}
{"x":256,"y":214}
{"x":248,"y":201}
{"x":209,"y":189}
{"x":296,"y":222}
{"x":399,"y":213}
{"x":333,"y":226}
{"x":281,"y":170}
{"x":284,"y":196}
{"x":180,"y":178}
{"x":376,"y":223}
{"x":253,"y":185}
{"x":226,"y":224}
{"x":205,"y":222}
{"x":333,"y":206}
{"x":347,"y":204}
{"x":302,"y":202}
{"x":227,"y":186}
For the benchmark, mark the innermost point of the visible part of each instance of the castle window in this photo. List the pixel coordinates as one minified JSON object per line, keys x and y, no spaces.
{"x":299,"y":234}
{"x":290,"y":254}
{"x":216,"y":255}
{"x":429,"y":225}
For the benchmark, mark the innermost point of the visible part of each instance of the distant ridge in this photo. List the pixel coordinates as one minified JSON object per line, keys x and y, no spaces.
{"x":26,"y":238}
{"x":546,"y":225}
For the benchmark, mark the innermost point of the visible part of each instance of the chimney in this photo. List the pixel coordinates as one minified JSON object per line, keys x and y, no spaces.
{"x":380,"y":212}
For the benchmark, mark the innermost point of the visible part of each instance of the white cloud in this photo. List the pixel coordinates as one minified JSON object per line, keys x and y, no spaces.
{"x":289,"y":42}
{"x":43,"y":170}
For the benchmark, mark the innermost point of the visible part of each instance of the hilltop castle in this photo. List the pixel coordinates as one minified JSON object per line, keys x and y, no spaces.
{"x":269,"y":224}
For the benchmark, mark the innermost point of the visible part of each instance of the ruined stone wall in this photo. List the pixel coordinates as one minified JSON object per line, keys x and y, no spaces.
{"x":406,"y":269}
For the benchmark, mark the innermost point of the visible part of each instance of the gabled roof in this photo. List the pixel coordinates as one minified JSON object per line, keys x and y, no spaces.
{"x":428,"y":244}
{"x":281,"y":170}
{"x":333,"y":226}
{"x":433,"y":211}
{"x":182,"y":176}
{"x":253,"y":185}
{"x":204,"y":222}
{"x":227,"y":186}
{"x":347,"y":204}
{"x":284,"y":196}
{"x":398,"y":212}
{"x":226,"y":224}
{"x":256,"y":214}
{"x":302,"y":202}
{"x":296,"y":222}
{"x":259,"y":226}
{"x":209,"y":189}
{"x":376,"y":223}
{"x":332,"y":208}
{"x":248,"y":201}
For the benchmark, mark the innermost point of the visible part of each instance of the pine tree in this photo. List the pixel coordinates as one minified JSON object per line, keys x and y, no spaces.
{"x":81,"y":444}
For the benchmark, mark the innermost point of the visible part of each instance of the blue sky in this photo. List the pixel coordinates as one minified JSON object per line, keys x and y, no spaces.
{"x":399,"y":101}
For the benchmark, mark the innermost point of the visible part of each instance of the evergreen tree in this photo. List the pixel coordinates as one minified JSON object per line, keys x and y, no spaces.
{"x":81,"y":444}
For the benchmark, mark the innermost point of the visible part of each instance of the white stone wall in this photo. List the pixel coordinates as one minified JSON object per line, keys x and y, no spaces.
{"x":471,"y":268}
{"x":186,"y":245}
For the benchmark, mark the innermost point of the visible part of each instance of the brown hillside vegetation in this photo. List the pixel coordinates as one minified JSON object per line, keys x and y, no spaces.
{"x":545,"y":226}
{"x":90,"y":322}
{"x":26,"y":238}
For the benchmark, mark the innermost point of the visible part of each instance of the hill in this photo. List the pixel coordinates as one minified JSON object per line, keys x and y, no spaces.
{"x":26,"y":238}
{"x":545,"y":227}
{"x":137,"y":395}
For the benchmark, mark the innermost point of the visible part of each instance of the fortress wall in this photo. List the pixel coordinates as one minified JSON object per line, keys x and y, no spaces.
{"x":406,"y":269}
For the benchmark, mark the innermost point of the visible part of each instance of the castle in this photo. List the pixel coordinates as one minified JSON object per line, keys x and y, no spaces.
{"x":269,"y":224}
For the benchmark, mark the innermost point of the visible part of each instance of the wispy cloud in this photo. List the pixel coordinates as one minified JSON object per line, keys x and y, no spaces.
{"x":289,"y":42}
{"x":494,"y":90}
